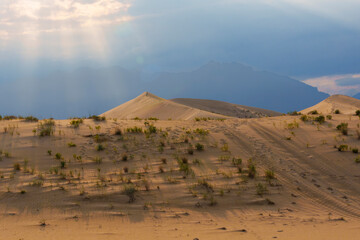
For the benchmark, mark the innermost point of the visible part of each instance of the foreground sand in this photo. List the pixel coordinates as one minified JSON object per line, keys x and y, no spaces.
{"x":315,"y":193}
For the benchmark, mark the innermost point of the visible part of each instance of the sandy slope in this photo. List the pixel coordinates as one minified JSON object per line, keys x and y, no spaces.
{"x":148,"y":105}
{"x":315,"y":193}
{"x":345,"y":104}
{"x":227,"y":109}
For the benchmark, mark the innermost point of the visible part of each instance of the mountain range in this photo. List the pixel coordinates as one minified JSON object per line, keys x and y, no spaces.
{"x":93,"y":91}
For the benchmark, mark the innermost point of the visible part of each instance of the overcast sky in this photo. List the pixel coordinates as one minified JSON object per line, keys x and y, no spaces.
{"x":300,"y":38}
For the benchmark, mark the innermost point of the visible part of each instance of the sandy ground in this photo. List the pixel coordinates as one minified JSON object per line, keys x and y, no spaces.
{"x":315,"y":193}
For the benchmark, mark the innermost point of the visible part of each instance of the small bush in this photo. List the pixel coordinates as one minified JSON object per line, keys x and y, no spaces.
{"x":58,"y":156}
{"x":304,"y":118}
{"x":97,"y":118}
{"x":343,"y":147}
{"x":17,"y":166}
{"x":251,"y":169}
{"x":63,"y":164}
{"x":355,"y":150}
{"x":357,"y":112}
{"x":134,"y":129}
{"x":343,"y":127}
{"x":118,"y":132}
{"x":269,"y":174}
{"x":261,"y":189}
{"x":320,"y":119}
{"x":71,"y":144}
{"x":314,"y":112}
{"x":294,"y":113}
{"x":31,"y":119}
{"x":328,"y":117}
{"x":75,"y":123}
{"x":100,"y":147}
{"x":201,"y":131}
{"x":199,"y":147}
{"x":46,"y":128}
{"x":124,"y":157}
{"x":337,"y":111}
{"x":357,"y":159}
{"x":130,"y":190}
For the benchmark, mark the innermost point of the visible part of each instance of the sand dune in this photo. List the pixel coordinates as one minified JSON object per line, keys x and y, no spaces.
{"x":227,"y":109}
{"x":346,"y":105}
{"x":148,"y":105}
{"x":261,"y":178}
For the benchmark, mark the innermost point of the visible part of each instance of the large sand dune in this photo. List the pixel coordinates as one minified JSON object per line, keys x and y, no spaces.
{"x":346,"y":105}
{"x":148,"y":105}
{"x":190,"y":179}
{"x":224,"y":108}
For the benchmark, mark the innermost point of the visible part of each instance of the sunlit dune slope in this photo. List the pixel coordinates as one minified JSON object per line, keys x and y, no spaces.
{"x":148,"y":105}
{"x":345,"y":104}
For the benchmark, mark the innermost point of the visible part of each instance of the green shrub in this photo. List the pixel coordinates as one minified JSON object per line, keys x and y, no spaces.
{"x":269,"y":174}
{"x":313,"y":112}
{"x":62,"y":164}
{"x":343,"y":147}
{"x":100,"y":147}
{"x":46,"y":128}
{"x":134,"y":129}
{"x":304,"y":118}
{"x":343,"y":127}
{"x":71,"y":144}
{"x":97,"y":118}
{"x":357,"y":159}
{"x":58,"y":156}
{"x":75,"y":123}
{"x":31,"y":119}
{"x":320,"y":119}
{"x":294,"y":113}
{"x":357,"y":112}
{"x":201,"y":131}
{"x":199,"y":147}
{"x":337,"y":111}
{"x":355,"y":150}
{"x":328,"y":117}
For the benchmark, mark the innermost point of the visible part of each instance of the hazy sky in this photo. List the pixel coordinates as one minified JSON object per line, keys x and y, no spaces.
{"x":302,"y":38}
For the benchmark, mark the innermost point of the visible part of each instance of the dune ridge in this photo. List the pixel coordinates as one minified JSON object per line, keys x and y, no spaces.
{"x":149,"y":105}
{"x":346,"y":105}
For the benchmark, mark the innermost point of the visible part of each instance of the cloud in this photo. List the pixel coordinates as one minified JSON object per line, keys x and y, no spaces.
{"x":348,"y":84}
{"x":20,"y":17}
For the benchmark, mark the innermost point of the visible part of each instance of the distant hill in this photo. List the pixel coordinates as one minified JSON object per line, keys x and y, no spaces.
{"x":238,"y":84}
{"x":148,"y":105}
{"x":357,"y":96}
{"x":224,"y":108}
{"x":346,"y":105}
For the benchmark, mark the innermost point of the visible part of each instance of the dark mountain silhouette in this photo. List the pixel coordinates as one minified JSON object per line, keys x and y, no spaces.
{"x":94,"y":91}
{"x":239,"y":84}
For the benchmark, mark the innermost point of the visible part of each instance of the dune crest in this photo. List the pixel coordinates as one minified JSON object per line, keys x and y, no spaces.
{"x":346,"y":105}
{"x":149,"y":105}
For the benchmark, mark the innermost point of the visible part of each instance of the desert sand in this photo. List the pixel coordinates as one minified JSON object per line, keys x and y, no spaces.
{"x":216,"y":177}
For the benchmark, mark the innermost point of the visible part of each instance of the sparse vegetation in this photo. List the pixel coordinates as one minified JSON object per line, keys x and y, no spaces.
{"x":337,"y":111}
{"x":261,"y":189}
{"x":199,"y":146}
{"x":46,"y":128}
{"x":100,"y":147}
{"x":343,"y":128}
{"x":343,"y":147}
{"x":130,"y":190}
{"x":75,"y":123}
